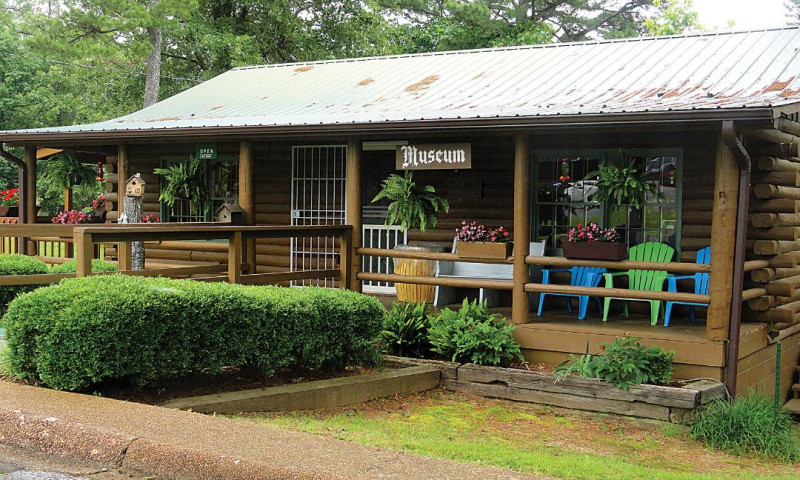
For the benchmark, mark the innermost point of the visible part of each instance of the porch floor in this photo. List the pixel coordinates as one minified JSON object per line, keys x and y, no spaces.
{"x":555,"y":335}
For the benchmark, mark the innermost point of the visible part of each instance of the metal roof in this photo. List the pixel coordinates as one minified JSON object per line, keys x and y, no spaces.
{"x":724,"y":70}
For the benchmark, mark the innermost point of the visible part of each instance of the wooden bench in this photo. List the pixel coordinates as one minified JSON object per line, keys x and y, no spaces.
{"x":487,"y":271}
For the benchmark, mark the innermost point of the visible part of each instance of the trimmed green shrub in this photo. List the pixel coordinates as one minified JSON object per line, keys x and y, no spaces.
{"x":13,"y":264}
{"x":85,"y":331}
{"x":71,"y":266}
{"x":405,"y":330}
{"x":622,"y":363}
{"x":472,"y":334}
{"x":750,"y":424}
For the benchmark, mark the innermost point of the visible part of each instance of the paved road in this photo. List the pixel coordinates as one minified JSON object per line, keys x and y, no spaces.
{"x":18,"y":464}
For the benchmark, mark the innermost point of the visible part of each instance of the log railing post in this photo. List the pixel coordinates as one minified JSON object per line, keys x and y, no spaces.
{"x":28,"y":198}
{"x":124,"y":251}
{"x":346,"y":251}
{"x":522,"y":228}
{"x":247,"y":199}
{"x":723,"y":238}
{"x":235,"y":248}
{"x":353,"y":210}
{"x":84,"y":251}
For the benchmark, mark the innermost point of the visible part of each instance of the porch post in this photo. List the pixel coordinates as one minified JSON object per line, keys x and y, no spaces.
{"x":22,"y":175}
{"x":247,"y":199}
{"x":28,"y":199}
{"x":522,"y":227}
{"x":723,"y":240}
{"x":353,"y":208}
{"x":124,"y":252}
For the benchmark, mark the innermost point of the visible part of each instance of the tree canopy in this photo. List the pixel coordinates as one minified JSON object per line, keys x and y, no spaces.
{"x":74,"y":61}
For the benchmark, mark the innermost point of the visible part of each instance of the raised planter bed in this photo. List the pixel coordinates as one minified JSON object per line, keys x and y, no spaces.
{"x":334,"y":392}
{"x":670,"y":404}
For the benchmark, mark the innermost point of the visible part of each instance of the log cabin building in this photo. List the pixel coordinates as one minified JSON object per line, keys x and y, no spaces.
{"x":714,"y":118}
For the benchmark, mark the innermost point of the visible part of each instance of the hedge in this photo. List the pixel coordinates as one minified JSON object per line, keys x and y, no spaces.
{"x":13,"y":264}
{"x":71,"y":266}
{"x":85,"y":331}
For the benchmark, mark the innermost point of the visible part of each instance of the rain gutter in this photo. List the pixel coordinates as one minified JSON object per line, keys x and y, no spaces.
{"x":734,"y":144}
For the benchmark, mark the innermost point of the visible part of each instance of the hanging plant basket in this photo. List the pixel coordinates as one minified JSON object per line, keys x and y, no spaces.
{"x":595,"y":250}
{"x":492,"y":250}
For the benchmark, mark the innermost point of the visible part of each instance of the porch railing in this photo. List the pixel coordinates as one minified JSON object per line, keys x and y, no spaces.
{"x":85,"y":238}
{"x":674,"y":267}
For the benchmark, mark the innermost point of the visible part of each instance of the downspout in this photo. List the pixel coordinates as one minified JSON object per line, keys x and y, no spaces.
{"x":743,"y":160}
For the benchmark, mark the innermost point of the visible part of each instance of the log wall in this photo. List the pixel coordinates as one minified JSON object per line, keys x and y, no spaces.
{"x":774,"y":242}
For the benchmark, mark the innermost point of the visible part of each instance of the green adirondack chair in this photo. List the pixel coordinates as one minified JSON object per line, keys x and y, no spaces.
{"x":649,"y":280}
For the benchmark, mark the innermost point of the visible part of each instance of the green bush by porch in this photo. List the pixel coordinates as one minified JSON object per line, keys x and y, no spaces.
{"x":71,"y":266}
{"x":85,"y":331}
{"x":13,"y":264}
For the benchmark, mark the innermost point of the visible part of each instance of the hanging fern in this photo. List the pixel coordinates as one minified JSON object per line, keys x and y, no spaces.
{"x":623,"y":183}
{"x":65,"y":170}
{"x":185,"y":181}
{"x":411,"y":207}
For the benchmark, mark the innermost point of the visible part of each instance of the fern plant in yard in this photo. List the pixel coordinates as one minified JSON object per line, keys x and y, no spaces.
{"x":411,"y":206}
{"x":405,"y":330}
{"x":473,"y":335}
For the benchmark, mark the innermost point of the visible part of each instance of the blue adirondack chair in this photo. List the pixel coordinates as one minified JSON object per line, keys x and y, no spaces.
{"x":579,"y":277}
{"x":648,"y":280}
{"x":700,"y":285}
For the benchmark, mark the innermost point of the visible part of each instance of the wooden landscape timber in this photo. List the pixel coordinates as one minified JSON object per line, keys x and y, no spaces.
{"x":669,"y":404}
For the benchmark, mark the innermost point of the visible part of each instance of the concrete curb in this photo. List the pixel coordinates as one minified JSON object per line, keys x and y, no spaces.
{"x":189,"y":446}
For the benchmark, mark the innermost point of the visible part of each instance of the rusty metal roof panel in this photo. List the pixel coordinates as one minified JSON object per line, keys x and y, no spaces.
{"x":726,"y":70}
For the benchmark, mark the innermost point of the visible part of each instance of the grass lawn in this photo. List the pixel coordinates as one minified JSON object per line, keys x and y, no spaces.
{"x":529,"y":438}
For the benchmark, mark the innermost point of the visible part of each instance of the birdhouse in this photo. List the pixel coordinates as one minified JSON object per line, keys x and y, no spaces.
{"x":134,"y":186}
{"x":230,"y":213}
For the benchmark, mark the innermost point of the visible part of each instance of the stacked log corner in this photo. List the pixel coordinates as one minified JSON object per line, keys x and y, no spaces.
{"x":774,"y":233}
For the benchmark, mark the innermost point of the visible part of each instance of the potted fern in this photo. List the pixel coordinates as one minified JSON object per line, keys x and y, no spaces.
{"x":185,"y":181}
{"x":412,"y":207}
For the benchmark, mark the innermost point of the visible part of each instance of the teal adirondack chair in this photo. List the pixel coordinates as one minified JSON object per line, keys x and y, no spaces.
{"x":648,"y":280}
{"x":700,"y":286}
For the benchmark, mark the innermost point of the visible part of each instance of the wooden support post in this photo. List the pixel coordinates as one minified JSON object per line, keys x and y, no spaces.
{"x":235,"y":248}
{"x":124,"y":251}
{"x":247,"y":199}
{"x":28,"y":199}
{"x":346,"y":251}
{"x":522,"y":228}
{"x":353,"y":213}
{"x":84,"y":251}
{"x":723,"y":238}
{"x":22,"y":243}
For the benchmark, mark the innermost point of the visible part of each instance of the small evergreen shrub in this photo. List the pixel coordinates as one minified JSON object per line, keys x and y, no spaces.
{"x":13,"y":264}
{"x":750,"y":424}
{"x":405,"y":330}
{"x":473,"y":335}
{"x":71,"y":266}
{"x":84,"y":331}
{"x":623,"y":363}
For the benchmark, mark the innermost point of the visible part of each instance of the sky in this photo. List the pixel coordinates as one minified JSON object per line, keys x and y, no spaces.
{"x":748,"y":14}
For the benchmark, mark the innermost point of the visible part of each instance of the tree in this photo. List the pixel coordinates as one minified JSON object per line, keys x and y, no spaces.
{"x":445,"y":24}
{"x":794,"y":11}
{"x":674,"y":17}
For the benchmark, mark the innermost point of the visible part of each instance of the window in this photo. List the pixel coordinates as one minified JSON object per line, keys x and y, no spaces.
{"x":564,"y":197}
{"x":222,"y":181}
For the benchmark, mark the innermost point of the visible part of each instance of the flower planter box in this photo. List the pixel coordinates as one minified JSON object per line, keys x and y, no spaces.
{"x":675,"y":404}
{"x":595,"y":250}
{"x":6,"y":211}
{"x":499,"y":251}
